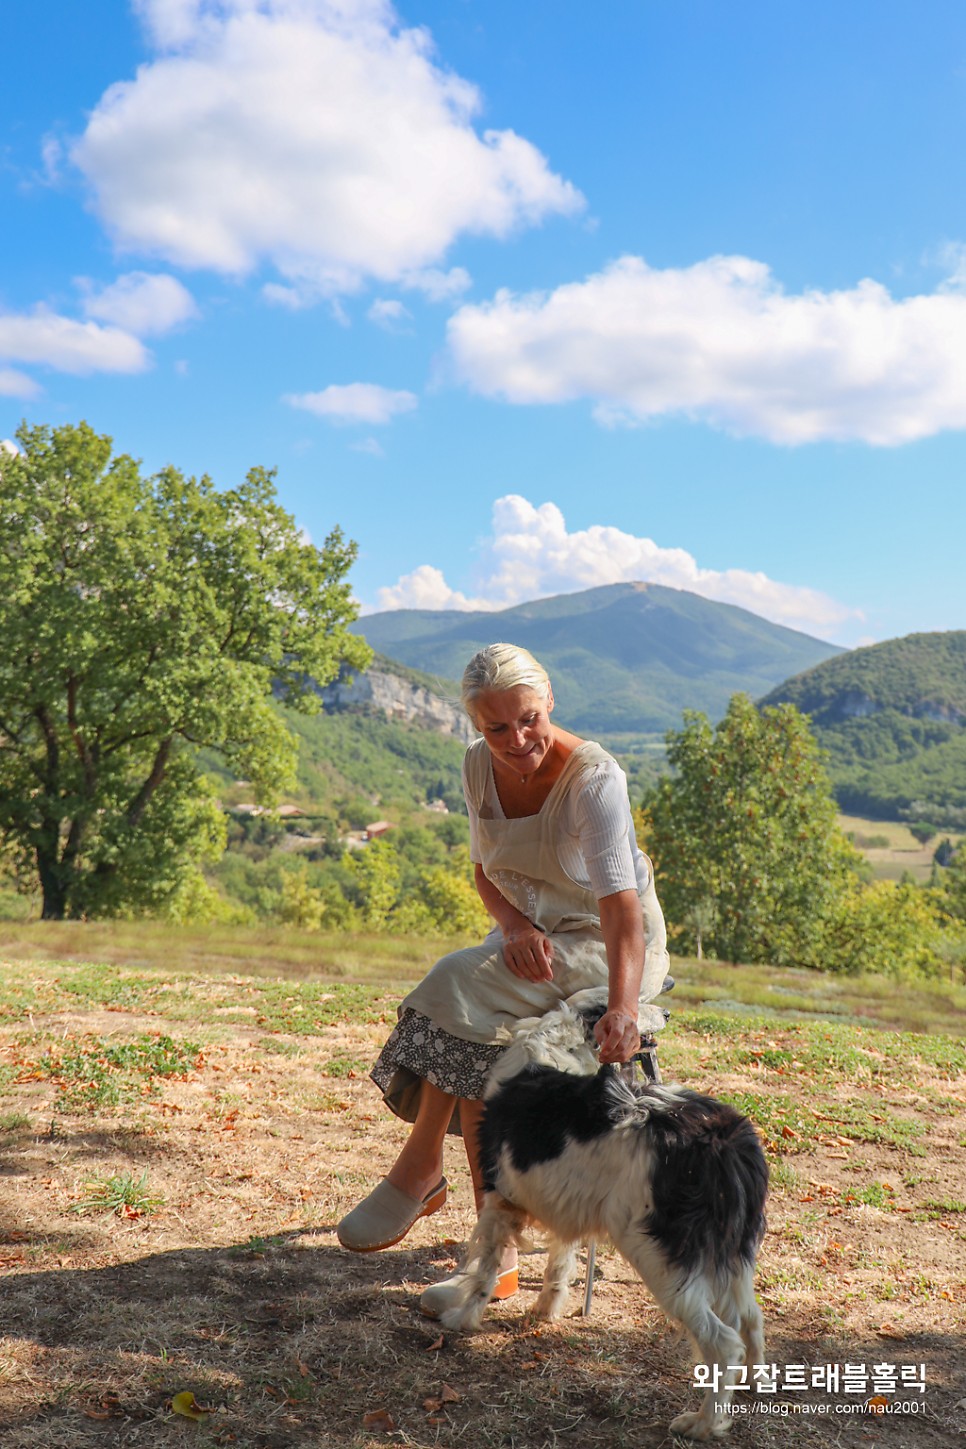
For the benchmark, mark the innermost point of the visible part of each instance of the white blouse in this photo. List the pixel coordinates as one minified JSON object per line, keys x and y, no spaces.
{"x":598,"y":848}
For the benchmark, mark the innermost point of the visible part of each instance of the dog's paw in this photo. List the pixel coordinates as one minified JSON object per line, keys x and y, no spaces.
{"x":462,"y":1319}
{"x":549,"y":1308}
{"x":693,"y":1425}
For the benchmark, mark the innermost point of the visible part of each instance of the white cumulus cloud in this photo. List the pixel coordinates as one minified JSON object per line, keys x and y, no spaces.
{"x":140,"y":302}
{"x":51,"y":340}
{"x":426,"y":588}
{"x":531,"y":555}
{"x":721,"y":342}
{"x":355,"y":402}
{"x":319,"y":136}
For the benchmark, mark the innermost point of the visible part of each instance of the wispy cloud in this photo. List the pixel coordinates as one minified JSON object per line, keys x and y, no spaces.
{"x":721,"y":342}
{"x":531,"y":554}
{"x":17,"y":384}
{"x":372,"y":446}
{"x":355,"y":402}
{"x":389,"y":313}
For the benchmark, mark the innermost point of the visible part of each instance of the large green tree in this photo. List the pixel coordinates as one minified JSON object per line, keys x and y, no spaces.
{"x":143,"y":618}
{"x":745,"y":837}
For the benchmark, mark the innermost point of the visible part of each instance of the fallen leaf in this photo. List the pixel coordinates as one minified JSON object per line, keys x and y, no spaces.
{"x":379,"y":1419}
{"x":432,"y":1406}
{"x":437,"y":1343}
{"x":450,"y":1396}
{"x":877,"y":1404}
{"x":789,"y":1132}
{"x":187,"y":1406}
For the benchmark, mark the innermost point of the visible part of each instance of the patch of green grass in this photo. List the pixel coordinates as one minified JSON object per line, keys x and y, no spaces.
{"x":256,"y":1246}
{"x":305,"y":1008}
{"x":13,"y":1121}
{"x":864,"y":1125}
{"x":343,"y":1066}
{"x":942,"y":1205}
{"x":871,"y":1194}
{"x":281,"y":1048}
{"x":102,"y":1073}
{"x":787,"y":1125}
{"x":781,"y":1175}
{"x":779,"y":1277}
{"x":121,"y":1192}
{"x":322,"y":1102}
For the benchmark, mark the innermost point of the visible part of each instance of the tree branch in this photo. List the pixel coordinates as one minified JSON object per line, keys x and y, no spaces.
{"x":87,"y":760}
{"x":141,"y":800}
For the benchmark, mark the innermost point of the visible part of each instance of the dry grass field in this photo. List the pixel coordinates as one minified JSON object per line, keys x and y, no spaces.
{"x":891,"y":848}
{"x":176,"y":1148}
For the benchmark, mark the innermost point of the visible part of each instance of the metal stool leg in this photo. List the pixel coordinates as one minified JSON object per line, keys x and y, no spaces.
{"x":646,"y":1061}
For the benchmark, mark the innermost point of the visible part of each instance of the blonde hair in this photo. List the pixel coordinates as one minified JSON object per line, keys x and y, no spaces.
{"x":501,"y":666}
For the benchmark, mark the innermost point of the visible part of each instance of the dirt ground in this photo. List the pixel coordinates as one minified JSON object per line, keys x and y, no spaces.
{"x":231,"y":1284}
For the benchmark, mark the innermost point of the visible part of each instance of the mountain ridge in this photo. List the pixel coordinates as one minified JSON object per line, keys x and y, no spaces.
{"x":623,"y":657}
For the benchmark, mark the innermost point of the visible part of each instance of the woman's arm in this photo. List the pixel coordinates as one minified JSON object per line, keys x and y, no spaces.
{"x":526,"y":950}
{"x":622,"y":924}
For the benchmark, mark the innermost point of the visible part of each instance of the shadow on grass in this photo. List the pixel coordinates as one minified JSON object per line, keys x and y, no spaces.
{"x":292,"y":1342}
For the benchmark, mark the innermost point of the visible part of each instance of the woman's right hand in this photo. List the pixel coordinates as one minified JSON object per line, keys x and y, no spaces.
{"x":528,"y":953}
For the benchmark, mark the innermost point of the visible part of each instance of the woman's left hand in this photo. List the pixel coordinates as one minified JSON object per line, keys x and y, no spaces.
{"x":618,"y":1035}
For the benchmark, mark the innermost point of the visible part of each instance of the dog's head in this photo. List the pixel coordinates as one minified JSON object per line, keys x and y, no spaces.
{"x":562,"y":1039}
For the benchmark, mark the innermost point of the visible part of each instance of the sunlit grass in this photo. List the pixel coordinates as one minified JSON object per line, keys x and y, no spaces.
{"x":119,"y":1192}
{"x":127,"y":954}
{"x":263,"y":951}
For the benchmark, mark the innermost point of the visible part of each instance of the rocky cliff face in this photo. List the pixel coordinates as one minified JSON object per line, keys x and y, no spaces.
{"x":380,"y":693}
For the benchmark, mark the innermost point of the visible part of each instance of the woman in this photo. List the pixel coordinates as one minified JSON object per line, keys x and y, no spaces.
{"x":559,"y":870}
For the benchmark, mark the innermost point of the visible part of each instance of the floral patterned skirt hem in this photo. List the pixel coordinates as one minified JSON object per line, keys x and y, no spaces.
{"x":418,"y":1050}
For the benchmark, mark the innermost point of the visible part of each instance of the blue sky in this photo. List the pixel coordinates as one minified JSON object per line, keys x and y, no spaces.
{"x":526,"y":299}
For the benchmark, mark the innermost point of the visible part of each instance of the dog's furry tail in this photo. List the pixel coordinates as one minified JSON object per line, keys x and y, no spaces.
{"x":710,"y":1182}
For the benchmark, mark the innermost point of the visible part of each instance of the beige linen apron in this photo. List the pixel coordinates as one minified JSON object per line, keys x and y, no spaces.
{"x":472,"y":994}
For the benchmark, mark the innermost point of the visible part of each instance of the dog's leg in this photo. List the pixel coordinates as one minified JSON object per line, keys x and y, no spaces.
{"x":555,"y":1291}
{"x":750,"y":1323}
{"x":499,"y":1225}
{"x":720,"y":1348}
{"x":718,"y":1345}
{"x":738,"y":1307}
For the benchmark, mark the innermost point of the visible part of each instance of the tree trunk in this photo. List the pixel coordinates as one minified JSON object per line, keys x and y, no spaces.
{"x":53,"y":886}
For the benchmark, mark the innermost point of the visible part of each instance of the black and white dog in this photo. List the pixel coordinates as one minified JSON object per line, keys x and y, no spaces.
{"x":676,"y":1180}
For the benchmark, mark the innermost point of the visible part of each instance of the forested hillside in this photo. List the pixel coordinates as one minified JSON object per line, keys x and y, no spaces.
{"x":893,"y":719}
{"x":625,"y":659}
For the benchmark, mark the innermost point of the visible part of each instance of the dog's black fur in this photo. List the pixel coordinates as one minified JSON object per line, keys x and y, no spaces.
{"x":709,"y":1178}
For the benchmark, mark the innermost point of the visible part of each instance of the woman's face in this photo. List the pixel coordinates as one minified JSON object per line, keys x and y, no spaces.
{"x":516,"y":726}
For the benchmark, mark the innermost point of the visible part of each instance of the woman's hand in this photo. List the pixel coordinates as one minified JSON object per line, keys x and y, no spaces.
{"x":618,"y":1036}
{"x":528,"y":953}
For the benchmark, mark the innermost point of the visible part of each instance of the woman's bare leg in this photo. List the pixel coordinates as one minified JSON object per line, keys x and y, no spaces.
{"x":419,"y":1166}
